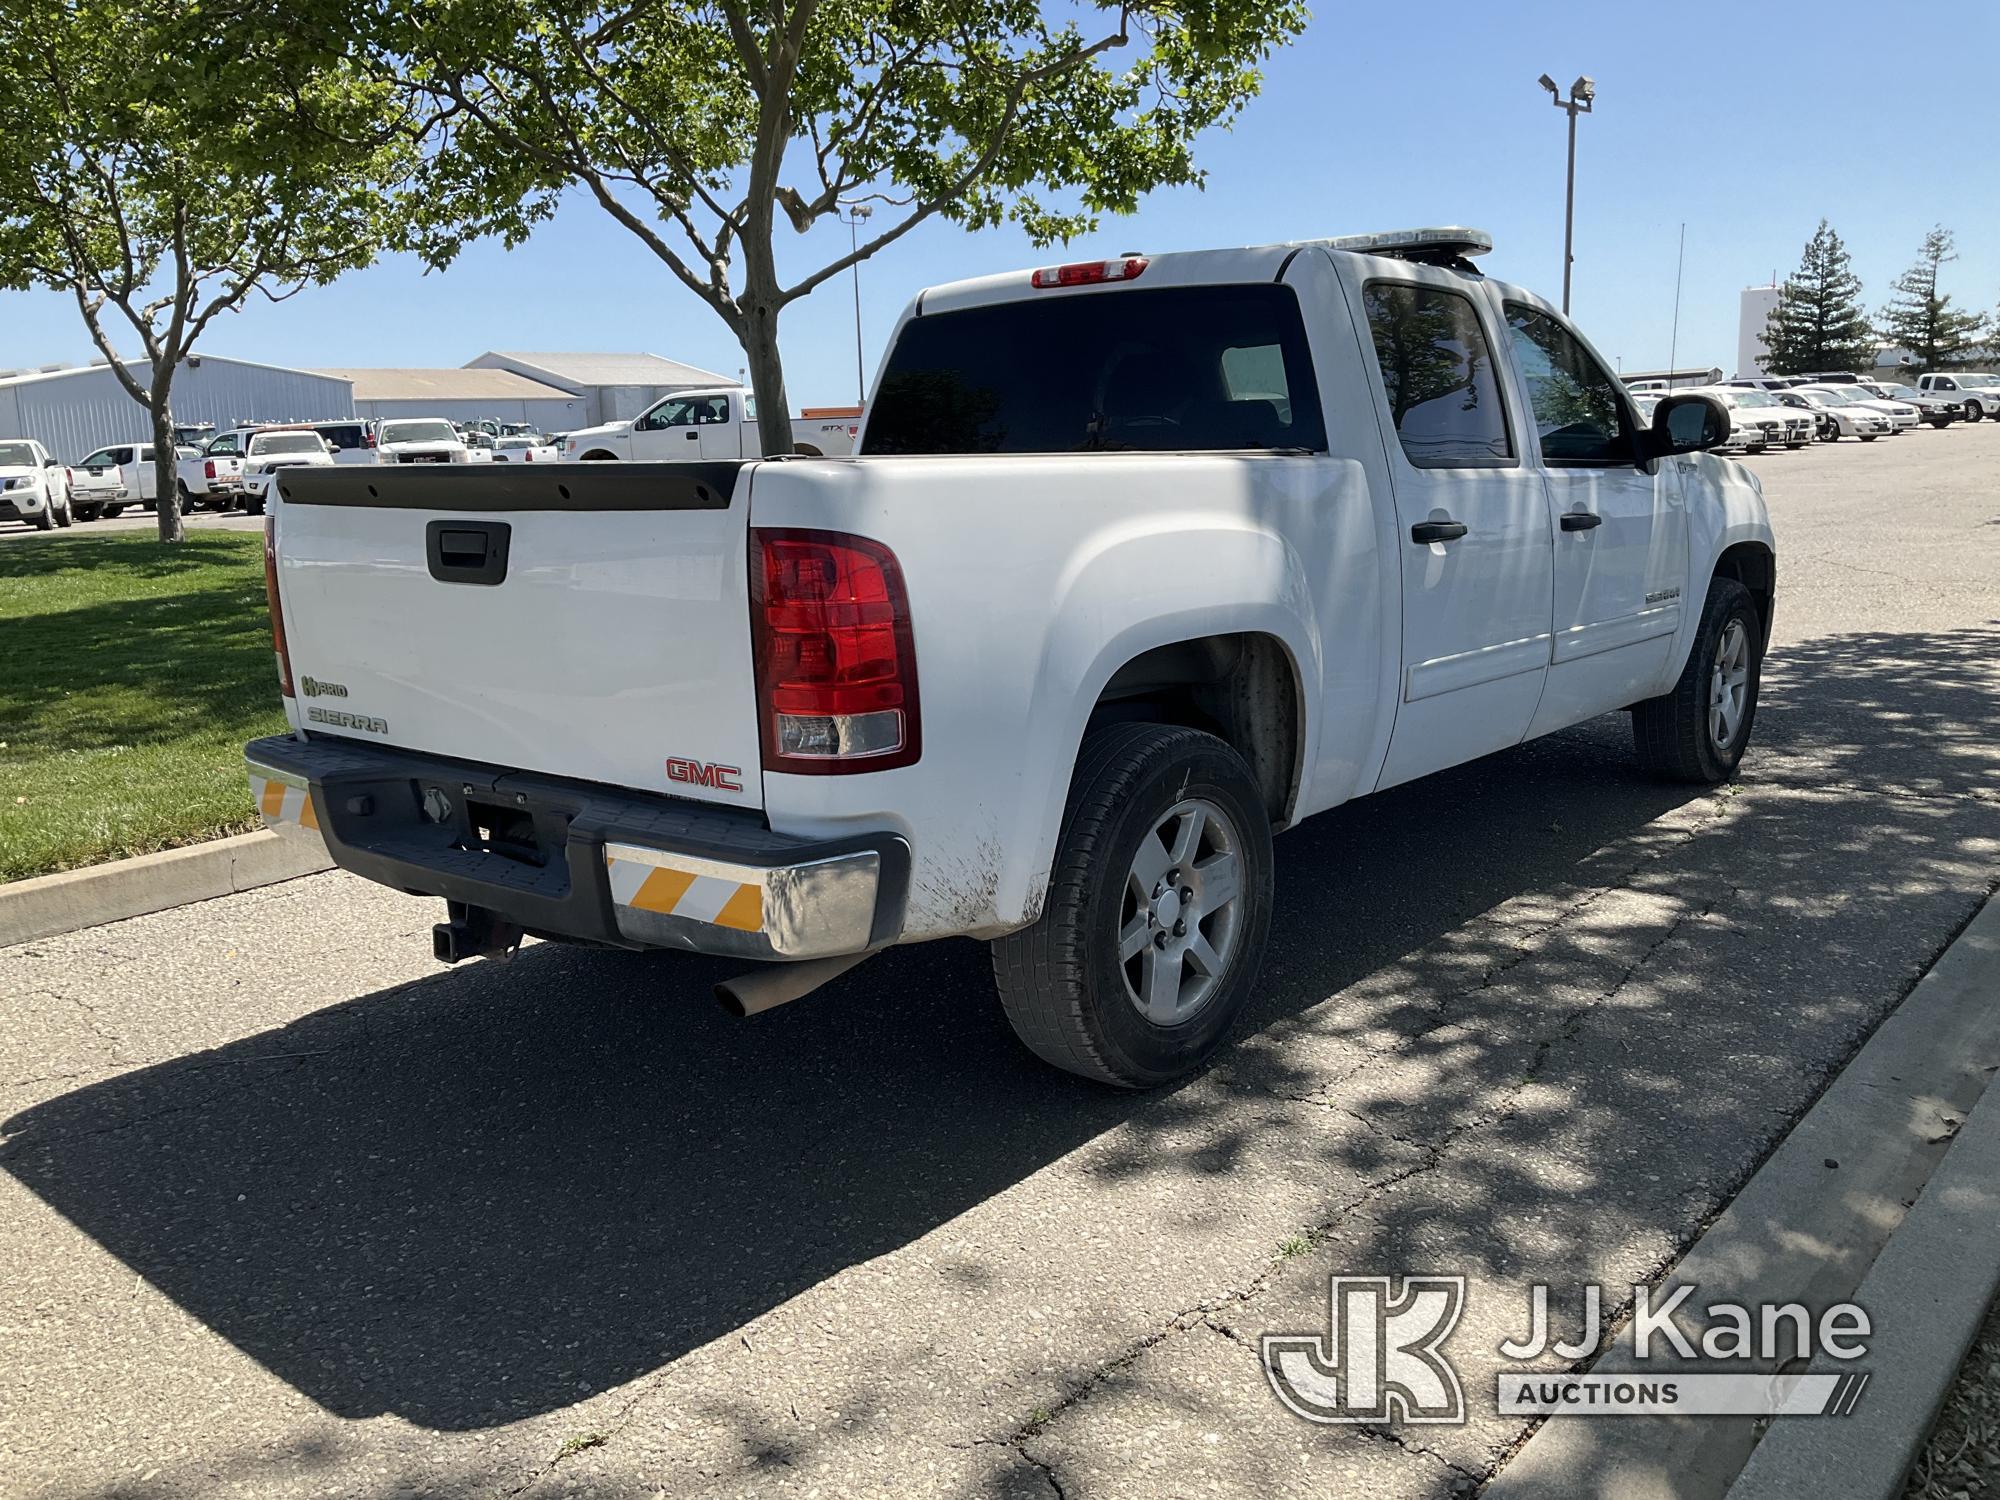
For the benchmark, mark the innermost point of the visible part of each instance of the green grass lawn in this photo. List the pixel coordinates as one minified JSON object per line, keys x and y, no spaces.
{"x":130,"y":676}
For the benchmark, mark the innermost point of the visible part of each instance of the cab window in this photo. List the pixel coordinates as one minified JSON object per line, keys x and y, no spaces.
{"x":675,"y":411}
{"x":224,"y":445}
{"x":1438,"y":374}
{"x":1579,"y":416}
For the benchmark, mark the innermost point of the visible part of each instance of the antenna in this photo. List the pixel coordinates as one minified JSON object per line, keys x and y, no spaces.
{"x":1674,"y":342}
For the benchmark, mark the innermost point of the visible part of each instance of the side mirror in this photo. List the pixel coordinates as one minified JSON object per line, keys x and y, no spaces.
{"x":1687,"y":424}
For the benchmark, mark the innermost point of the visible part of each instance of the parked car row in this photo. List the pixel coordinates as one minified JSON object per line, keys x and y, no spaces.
{"x":1770,"y":412}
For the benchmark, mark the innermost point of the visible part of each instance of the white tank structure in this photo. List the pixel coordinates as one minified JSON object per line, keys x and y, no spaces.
{"x":1755,"y":312}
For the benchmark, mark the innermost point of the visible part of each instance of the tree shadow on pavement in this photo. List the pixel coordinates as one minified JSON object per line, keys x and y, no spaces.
{"x":498,"y":1191}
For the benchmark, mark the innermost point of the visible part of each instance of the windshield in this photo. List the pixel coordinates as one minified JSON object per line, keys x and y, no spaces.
{"x":286,"y":442}
{"x":1173,"y":369}
{"x":418,"y":432}
{"x":515,"y":444}
{"x":1754,"y":398}
{"x":16,"y":456}
{"x":1901,"y":392}
{"x":1828,"y":398}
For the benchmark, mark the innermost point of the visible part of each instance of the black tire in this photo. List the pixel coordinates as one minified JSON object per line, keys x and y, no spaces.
{"x":113,"y":512}
{"x":45,"y":518}
{"x":1974,"y":412}
{"x":1869,"y":437}
{"x":1673,"y":732}
{"x":88,"y":511}
{"x":65,"y":516}
{"x":1066,"y":991}
{"x":252,"y":507}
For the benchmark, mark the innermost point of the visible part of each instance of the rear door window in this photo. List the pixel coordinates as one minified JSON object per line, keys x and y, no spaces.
{"x":1437,"y":372}
{"x":1174,"y":369}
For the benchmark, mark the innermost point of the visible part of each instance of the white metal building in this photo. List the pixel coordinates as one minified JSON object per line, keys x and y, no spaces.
{"x":1753,"y":312}
{"x":612,"y":387}
{"x":464,"y":395}
{"x":73,"y":410}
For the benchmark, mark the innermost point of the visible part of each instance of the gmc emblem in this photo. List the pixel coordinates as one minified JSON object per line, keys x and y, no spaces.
{"x":700,"y":773}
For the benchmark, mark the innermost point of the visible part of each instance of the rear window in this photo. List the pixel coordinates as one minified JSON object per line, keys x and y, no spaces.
{"x":348,"y":436}
{"x":1173,"y":369}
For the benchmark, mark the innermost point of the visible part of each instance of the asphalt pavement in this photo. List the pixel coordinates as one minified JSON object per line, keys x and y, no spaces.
{"x":287,"y":1209}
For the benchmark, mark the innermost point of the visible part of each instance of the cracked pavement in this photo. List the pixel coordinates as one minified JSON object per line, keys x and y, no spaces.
{"x":287,"y":1209}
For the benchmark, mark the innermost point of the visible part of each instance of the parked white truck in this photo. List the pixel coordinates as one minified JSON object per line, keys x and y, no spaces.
{"x":1139,"y":562}
{"x":715,"y":423}
{"x":1979,"y":391}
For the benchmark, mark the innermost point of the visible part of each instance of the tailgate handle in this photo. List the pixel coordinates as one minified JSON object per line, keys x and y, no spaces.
{"x":467,"y":551}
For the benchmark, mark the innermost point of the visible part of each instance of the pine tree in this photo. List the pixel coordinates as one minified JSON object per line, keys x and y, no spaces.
{"x":1921,"y":320}
{"x":1818,"y":323}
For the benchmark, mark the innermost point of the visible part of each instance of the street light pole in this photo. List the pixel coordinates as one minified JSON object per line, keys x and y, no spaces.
{"x":1581,"y":93}
{"x":856,"y":214}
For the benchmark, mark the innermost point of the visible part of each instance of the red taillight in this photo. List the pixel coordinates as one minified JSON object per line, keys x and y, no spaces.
{"x":277,"y":614}
{"x":1090,"y":272}
{"x":209,"y":468}
{"x":836,"y":662}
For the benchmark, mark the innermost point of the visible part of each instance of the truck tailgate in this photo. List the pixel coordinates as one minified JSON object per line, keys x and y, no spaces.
{"x":583,"y":620}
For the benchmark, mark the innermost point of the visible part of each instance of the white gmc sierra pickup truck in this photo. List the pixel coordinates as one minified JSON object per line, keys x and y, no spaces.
{"x":1138,"y":562}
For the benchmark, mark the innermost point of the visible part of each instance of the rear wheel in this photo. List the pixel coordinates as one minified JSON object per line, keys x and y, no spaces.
{"x":1157,"y":911}
{"x":87,"y":511}
{"x":113,"y":512}
{"x":1699,"y":730}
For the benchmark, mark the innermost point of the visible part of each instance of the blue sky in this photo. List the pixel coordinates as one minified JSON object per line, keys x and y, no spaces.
{"x":1747,"y":123}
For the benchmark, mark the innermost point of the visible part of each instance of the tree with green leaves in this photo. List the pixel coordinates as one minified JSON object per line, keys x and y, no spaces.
{"x":1818,"y":323}
{"x":163,"y":180}
{"x":1921,"y":319}
{"x":703,"y":127}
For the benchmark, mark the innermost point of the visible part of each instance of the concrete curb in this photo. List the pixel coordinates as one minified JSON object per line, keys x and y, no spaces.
{"x":1808,"y":1227}
{"x":52,"y":904}
{"x":1927,"y":1294}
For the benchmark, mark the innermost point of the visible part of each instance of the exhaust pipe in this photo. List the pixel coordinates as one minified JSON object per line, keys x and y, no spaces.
{"x":773,"y":985}
{"x":472,"y":932}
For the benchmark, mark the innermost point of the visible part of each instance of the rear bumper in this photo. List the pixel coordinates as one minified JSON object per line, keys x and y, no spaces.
{"x":584,"y":861}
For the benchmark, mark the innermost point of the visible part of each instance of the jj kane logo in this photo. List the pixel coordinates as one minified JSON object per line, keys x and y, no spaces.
{"x":1381,"y":1359}
{"x":1378,"y":1360}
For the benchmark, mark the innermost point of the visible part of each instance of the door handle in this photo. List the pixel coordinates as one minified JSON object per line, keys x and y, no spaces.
{"x":1425,"y":532}
{"x":1581,"y":520}
{"x":693,"y":436}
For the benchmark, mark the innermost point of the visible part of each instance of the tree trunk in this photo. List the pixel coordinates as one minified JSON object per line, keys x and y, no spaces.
{"x":166,"y":482}
{"x":767,"y":377}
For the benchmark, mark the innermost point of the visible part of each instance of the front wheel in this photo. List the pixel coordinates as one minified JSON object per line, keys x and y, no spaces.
{"x":1699,"y":730}
{"x":1869,"y":437}
{"x":65,"y":516}
{"x":1156,"y":915}
{"x":1974,"y":412}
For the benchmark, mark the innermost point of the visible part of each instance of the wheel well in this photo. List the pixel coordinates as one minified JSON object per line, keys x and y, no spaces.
{"x":1752,"y":565}
{"x":598,"y":455}
{"x":1241,"y":688}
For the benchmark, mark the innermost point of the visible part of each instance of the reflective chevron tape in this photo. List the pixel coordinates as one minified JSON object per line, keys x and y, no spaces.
{"x":657,"y":884}
{"x":280,"y":803}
